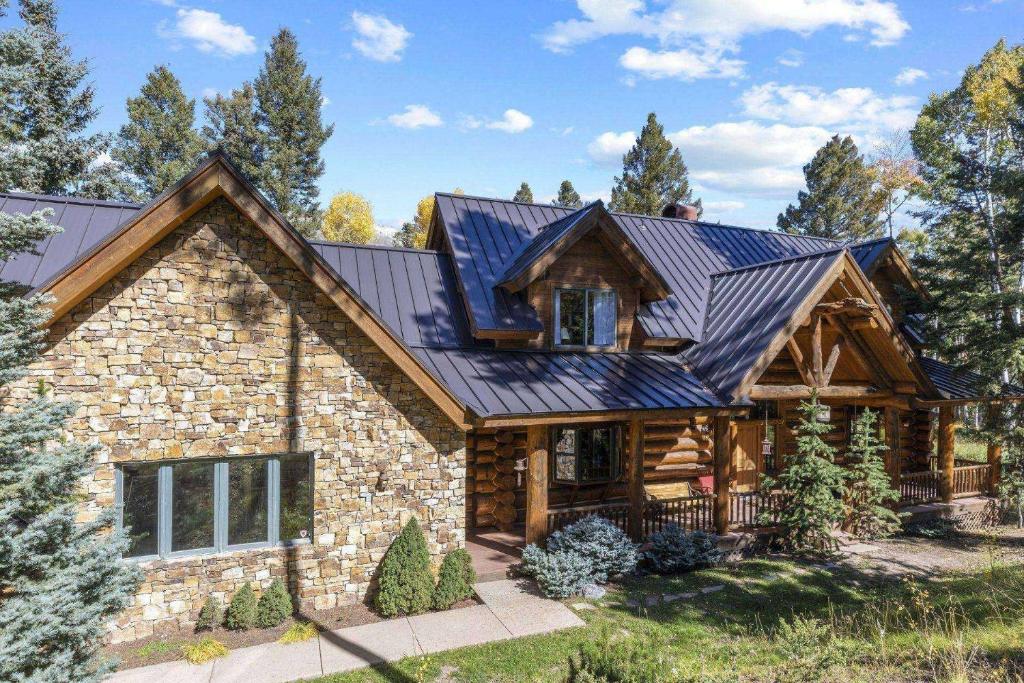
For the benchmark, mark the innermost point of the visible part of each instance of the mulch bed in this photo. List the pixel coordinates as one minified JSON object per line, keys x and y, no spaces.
{"x":158,"y":649}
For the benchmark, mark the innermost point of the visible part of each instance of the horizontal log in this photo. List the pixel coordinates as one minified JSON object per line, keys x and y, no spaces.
{"x":504,"y":482}
{"x":684,"y":444}
{"x":504,"y":436}
{"x":679,"y":458}
{"x":505,"y":498}
{"x":484,"y":506}
{"x":504,"y":514}
{"x":505,"y":450}
{"x":485,"y":519}
{"x":800,"y":391}
{"x":484,"y":486}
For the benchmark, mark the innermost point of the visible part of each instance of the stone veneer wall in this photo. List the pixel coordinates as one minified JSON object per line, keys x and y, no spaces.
{"x":212,"y":344}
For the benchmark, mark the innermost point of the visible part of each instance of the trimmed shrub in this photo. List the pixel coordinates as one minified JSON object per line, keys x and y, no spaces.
{"x":559,"y":574}
{"x":406,"y":585}
{"x":455,"y":581}
{"x":203,"y":651}
{"x":673,"y":550}
{"x":275,"y":605}
{"x":241,"y":610}
{"x":604,"y":545}
{"x":210,"y":615}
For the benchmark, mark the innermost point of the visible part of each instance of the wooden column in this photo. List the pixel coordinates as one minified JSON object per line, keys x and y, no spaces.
{"x":995,"y":467}
{"x":947,"y":442}
{"x":894,"y":457}
{"x":723,"y":472}
{"x":536,"y":483}
{"x":636,"y":478}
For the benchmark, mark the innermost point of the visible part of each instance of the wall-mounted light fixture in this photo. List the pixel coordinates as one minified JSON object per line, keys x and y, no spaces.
{"x":519,"y":468}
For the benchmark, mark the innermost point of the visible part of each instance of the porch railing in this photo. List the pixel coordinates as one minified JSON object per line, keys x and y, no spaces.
{"x":689,"y":512}
{"x":920,"y":487}
{"x":971,"y":480}
{"x":750,"y":509}
{"x":617,"y":513}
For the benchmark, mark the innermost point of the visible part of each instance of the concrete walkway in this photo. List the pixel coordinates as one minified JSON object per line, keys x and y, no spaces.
{"x":511,"y":609}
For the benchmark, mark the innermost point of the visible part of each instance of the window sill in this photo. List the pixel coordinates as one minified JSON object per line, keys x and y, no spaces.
{"x":186,"y":555}
{"x":585,"y":349}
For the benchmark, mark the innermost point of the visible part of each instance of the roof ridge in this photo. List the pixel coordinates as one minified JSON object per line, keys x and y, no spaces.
{"x":379,"y":247}
{"x":784,"y":259}
{"x":70,"y":199}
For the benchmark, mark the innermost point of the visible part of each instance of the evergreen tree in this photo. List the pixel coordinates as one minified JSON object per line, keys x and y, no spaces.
{"x":568,"y":196}
{"x":45,"y":107}
{"x":523,"y":194}
{"x":405,"y":584}
{"x":653,"y":174}
{"x":840,"y":202}
{"x":61,"y":580}
{"x":871,"y":494}
{"x":233,"y":127}
{"x":812,"y":487}
{"x":159,"y":145}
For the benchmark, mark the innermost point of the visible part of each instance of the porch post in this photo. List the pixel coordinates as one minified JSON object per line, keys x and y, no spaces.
{"x":723,"y":471}
{"x":947,"y":437}
{"x":995,"y":467}
{"x":892,"y":437}
{"x":536,"y":483}
{"x":636,"y":478}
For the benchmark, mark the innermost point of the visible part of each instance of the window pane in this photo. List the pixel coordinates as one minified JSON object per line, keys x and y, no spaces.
{"x":601,"y":325}
{"x":596,"y":454}
{"x":565,"y":455}
{"x":247,"y":501}
{"x":572,"y":316}
{"x":139,"y":491}
{"x":296,"y":497}
{"x":192,"y":514}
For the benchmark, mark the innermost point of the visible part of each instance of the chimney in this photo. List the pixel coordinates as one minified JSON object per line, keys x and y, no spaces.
{"x":686,"y":212}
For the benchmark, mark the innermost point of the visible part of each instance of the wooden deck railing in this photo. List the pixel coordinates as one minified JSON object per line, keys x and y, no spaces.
{"x":920,"y":487}
{"x":971,"y":480}
{"x":617,"y":513}
{"x":746,"y":508}
{"x":690,"y":513}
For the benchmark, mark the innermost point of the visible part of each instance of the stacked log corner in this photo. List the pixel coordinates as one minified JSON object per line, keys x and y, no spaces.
{"x":495,"y":485}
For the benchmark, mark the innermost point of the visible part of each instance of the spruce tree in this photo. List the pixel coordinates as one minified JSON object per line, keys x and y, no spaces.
{"x":523,"y":194}
{"x":159,"y":145}
{"x":653,"y":174}
{"x":870,"y":491}
{"x":61,"y":580}
{"x":234,"y":128}
{"x":840,"y":202}
{"x":568,"y":196}
{"x":811,"y":485}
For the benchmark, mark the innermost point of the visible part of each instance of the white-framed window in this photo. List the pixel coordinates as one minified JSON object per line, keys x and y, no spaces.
{"x":585,"y":317}
{"x":204,"y":506}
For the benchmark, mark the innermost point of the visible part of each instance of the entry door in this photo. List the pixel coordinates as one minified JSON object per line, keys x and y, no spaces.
{"x":746,"y":456}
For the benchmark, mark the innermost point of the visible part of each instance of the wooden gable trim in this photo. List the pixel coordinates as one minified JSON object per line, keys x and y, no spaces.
{"x":899,"y":262}
{"x":217,"y":178}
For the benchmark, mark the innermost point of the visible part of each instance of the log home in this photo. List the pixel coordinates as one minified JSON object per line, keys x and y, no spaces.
{"x":272,"y":406}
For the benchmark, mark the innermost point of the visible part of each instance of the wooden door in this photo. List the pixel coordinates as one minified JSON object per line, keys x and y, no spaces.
{"x":746,"y":456}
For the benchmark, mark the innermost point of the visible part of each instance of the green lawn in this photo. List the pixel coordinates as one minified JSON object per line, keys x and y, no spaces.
{"x":848,"y":627}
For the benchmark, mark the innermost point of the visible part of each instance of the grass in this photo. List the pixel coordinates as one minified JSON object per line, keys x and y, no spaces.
{"x":298,"y":632}
{"x":775,"y":621}
{"x":203,"y":651}
{"x":975,"y":451}
{"x":157,"y":647}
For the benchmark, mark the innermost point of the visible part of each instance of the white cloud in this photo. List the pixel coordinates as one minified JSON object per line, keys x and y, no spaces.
{"x":791,"y":58}
{"x":324,"y":101}
{"x":379,"y":38}
{"x":721,"y":207}
{"x":608,"y":148}
{"x":910,"y":75}
{"x":851,"y":109}
{"x":468,"y":122}
{"x":683,"y":64}
{"x":208,"y":32}
{"x":512,"y":121}
{"x":210,"y":93}
{"x":415,"y":116}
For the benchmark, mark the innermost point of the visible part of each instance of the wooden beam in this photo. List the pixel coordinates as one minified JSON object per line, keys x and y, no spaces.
{"x":892,"y":439}
{"x":819,"y":370}
{"x":833,"y":358}
{"x":862,"y":354}
{"x":537,"y":449}
{"x":863,"y":324}
{"x":850,"y":304}
{"x":947,"y":446}
{"x":798,"y":360}
{"x":635,"y":490}
{"x":723,"y":472}
{"x":799,"y":391}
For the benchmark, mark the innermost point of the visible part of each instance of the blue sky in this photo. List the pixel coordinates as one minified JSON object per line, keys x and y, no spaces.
{"x":428,"y":96}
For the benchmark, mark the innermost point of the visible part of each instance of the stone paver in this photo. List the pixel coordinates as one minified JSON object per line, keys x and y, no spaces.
{"x":179,"y":672}
{"x":358,"y":646}
{"x":522,"y":609}
{"x":269,"y":663}
{"x":439,"y":631}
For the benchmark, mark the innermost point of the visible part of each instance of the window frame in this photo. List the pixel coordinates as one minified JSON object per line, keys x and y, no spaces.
{"x":221,"y":495}
{"x":615,"y":469}
{"x":556,"y":308}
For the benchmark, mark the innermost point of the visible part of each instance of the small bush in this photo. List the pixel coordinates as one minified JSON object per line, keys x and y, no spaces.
{"x":807,"y":647}
{"x":559,"y":574}
{"x":604,"y":661}
{"x":607,"y":547}
{"x":455,"y":581}
{"x":241,"y":610}
{"x":275,"y":605}
{"x":406,"y":585}
{"x":206,"y":649}
{"x":210,"y":615}
{"x":673,"y":550}
{"x":298,"y":632}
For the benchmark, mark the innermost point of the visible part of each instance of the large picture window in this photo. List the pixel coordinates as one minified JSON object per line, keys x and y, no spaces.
{"x":585,"y":317}
{"x":214,"y":505}
{"x":585,"y":455}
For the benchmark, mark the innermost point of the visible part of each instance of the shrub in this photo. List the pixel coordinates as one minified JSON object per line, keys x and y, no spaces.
{"x":406,"y":585}
{"x":673,"y":550}
{"x":455,"y":581}
{"x":607,"y":547}
{"x":559,"y":574}
{"x":807,"y":647}
{"x":241,"y":610}
{"x":298,"y":632}
{"x":275,"y":605}
{"x":209,"y":615}
{"x":603,"y":661}
{"x":206,"y":649}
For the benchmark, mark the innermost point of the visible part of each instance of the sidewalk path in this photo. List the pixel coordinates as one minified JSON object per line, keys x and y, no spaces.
{"x":511,"y":609}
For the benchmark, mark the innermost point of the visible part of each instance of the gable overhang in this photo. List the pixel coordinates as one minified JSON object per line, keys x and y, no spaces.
{"x":214,"y":178}
{"x":892,"y":256}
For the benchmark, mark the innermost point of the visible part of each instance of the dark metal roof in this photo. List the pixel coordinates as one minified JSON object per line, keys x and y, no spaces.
{"x":867,"y":254}
{"x":546,"y":238}
{"x":748,"y":308}
{"x":495,"y":383}
{"x":85,"y":221}
{"x":955,"y":384}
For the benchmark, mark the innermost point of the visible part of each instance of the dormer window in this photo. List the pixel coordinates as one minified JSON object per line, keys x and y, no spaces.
{"x":585,"y":317}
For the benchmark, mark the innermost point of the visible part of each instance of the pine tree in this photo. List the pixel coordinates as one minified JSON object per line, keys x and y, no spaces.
{"x":159,"y":145}
{"x":871,"y":494}
{"x":523,"y":194}
{"x":61,"y":580}
{"x":234,"y":128}
{"x":653,"y":174}
{"x":568,"y":196}
{"x":45,"y":108}
{"x":812,"y":487}
{"x":840,"y":202}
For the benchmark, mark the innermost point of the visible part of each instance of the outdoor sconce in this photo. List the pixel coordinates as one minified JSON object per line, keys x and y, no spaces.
{"x":519,"y":468}
{"x":704,"y":428}
{"x":824,"y":413}
{"x":766,"y":447}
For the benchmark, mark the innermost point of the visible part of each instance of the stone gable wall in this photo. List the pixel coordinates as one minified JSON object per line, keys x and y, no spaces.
{"x":212,"y":344}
